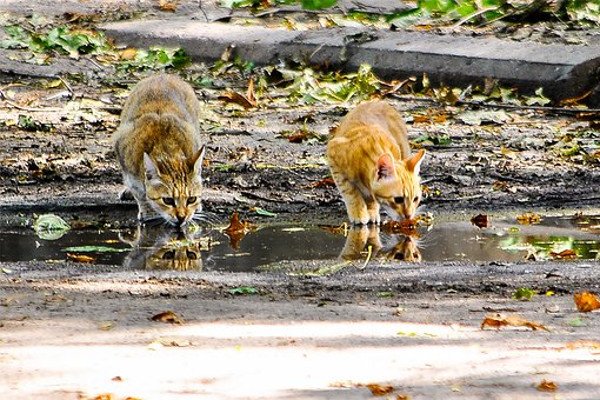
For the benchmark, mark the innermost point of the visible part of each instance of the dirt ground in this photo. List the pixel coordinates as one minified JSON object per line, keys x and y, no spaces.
{"x":73,"y":331}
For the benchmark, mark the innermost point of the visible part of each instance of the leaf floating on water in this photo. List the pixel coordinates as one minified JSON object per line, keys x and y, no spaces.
{"x":529,"y":218}
{"x":168,"y":317}
{"x":586,"y":301}
{"x":499,"y":320}
{"x":263,"y":212}
{"x":94,"y":249}
{"x":567,"y":254}
{"x":547,"y":386}
{"x":80,"y":258}
{"x":237,"y":229}
{"x":50,"y":227}
{"x":481,"y":221}
{"x":243,"y":290}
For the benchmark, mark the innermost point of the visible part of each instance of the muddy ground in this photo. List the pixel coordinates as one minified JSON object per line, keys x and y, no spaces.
{"x":78,"y":331}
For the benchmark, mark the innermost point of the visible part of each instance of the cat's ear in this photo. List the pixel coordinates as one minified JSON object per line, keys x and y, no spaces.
{"x":197,"y":159}
{"x":150,"y":168}
{"x":385,"y":167}
{"x":413,"y":163}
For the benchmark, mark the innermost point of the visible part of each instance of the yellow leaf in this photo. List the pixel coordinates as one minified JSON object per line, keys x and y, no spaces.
{"x":499,"y":320}
{"x":547,"y":386}
{"x":586,"y":301}
{"x":168,"y":317}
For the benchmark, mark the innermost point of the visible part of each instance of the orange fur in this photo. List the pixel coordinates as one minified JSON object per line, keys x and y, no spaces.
{"x":158,"y":145}
{"x":370,"y":162}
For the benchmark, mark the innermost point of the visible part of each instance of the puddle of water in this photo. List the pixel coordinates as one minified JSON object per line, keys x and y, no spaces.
{"x":162,"y":249}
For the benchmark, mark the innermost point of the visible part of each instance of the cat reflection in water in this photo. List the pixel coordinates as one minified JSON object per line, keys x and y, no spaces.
{"x":397,"y":247}
{"x":164,"y":248}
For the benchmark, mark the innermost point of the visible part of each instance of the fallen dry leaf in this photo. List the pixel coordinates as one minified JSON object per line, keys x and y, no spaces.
{"x":106,"y":326}
{"x":379,"y":390}
{"x":481,"y":221}
{"x":586,"y":301}
{"x":247,"y":101}
{"x":325,"y":182}
{"x":104,"y":396}
{"x":168,"y":317}
{"x":402,"y":397}
{"x":547,"y":386}
{"x":529,"y":218}
{"x":297,"y":137}
{"x":591,"y":344}
{"x":167,"y":5}
{"x":81,"y":258}
{"x":117,"y":379}
{"x":128,"y":54}
{"x":567,"y":254}
{"x":499,"y":320}
{"x":237,"y":229}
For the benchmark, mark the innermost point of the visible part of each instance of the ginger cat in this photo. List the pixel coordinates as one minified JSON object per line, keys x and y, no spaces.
{"x":370,"y":162}
{"x":158,"y":145}
{"x":397,"y":247}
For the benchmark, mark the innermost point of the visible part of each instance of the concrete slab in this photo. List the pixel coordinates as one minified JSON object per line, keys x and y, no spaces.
{"x":563,"y":71}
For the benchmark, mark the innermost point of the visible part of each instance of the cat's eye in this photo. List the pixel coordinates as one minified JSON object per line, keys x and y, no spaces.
{"x":416,"y":199}
{"x":169,"y":201}
{"x":191,"y":255}
{"x":191,"y":200}
{"x":169,"y":255}
{"x":398,"y":199}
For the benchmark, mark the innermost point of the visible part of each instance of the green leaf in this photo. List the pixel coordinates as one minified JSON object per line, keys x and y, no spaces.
{"x":538,"y":99}
{"x":577,"y":322}
{"x":385,"y":295}
{"x":94,"y":249}
{"x":317,"y":4}
{"x":263,"y":212}
{"x":523,"y":293}
{"x":50,"y":227}
{"x":440,"y":139}
{"x":243,"y":290}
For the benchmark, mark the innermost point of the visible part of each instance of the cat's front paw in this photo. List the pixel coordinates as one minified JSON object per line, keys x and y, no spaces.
{"x":360,"y":221}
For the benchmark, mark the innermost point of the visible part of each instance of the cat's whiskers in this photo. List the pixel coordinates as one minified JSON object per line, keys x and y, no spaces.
{"x":207,"y":217}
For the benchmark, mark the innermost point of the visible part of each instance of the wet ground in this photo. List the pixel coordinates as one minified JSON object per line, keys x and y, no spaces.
{"x":214,"y":250}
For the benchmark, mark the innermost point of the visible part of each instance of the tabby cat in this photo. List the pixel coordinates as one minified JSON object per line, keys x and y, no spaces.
{"x":370,"y":162}
{"x":165,"y":249}
{"x":158,"y":145}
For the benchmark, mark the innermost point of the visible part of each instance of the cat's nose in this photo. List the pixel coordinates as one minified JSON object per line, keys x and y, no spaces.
{"x":181,"y":219}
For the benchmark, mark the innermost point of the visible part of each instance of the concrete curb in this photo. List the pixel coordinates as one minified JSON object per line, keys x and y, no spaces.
{"x":564,"y":71}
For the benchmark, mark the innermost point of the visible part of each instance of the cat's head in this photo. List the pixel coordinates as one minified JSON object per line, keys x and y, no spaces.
{"x":405,"y":249}
{"x":174,"y":186}
{"x":179,"y":256}
{"x":159,"y":248}
{"x":397,"y":185}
